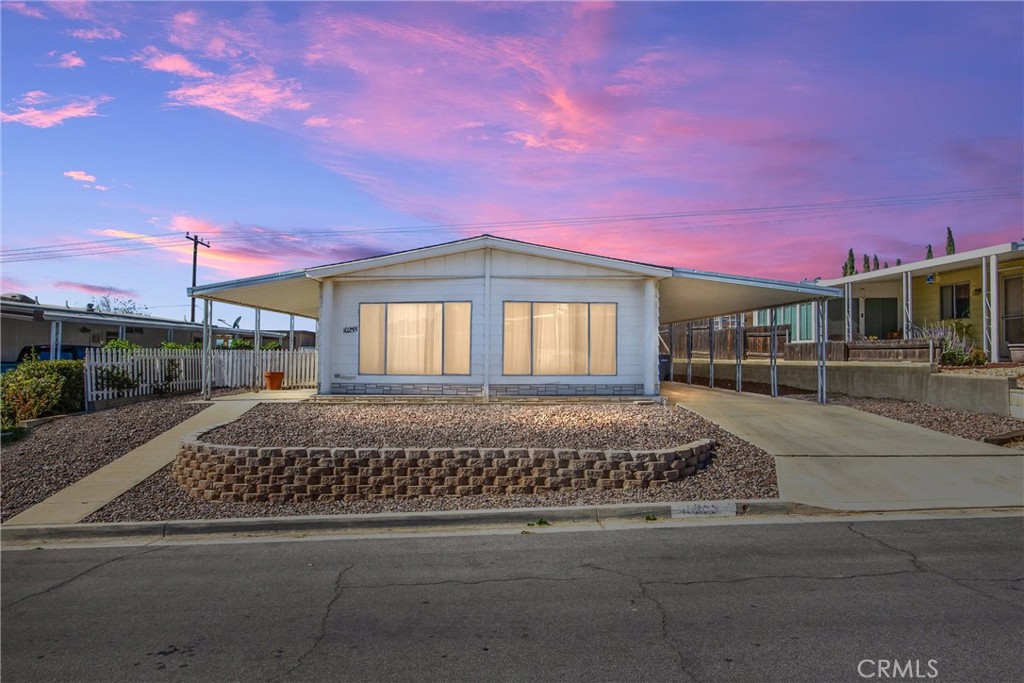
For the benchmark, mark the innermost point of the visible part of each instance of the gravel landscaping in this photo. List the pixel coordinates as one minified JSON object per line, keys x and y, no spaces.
{"x":963,"y":423}
{"x":738,"y":469}
{"x":992,"y":369}
{"x":56,"y":454}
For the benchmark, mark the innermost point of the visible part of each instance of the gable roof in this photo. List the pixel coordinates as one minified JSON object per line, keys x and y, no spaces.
{"x":487,"y":241}
{"x":685,"y":294}
{"x":1003,"y":252}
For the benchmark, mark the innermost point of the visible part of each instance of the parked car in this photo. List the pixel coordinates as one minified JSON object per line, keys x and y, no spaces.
{"x":42,"y":352}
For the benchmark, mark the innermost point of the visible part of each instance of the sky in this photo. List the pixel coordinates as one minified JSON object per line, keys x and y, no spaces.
{"x":763,"y":139}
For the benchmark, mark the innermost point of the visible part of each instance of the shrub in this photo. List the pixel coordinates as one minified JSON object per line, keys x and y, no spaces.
{"x":121,"y":344}
{"x":72,"y":389}
{"x":26,"y":398}
{"x":175,"y":346}
{"x":272,"y":346}
{"x":241,"y":345}
{"x":953,"y":343}
{"x":115,"y":379}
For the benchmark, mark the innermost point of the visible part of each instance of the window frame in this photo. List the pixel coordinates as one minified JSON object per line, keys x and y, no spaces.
{"x":952,"y":301}
{"x":386,"y":304}
{"x":533,"y":372}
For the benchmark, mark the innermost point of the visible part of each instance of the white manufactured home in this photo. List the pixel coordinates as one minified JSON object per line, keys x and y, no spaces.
{"x":493,"y":317}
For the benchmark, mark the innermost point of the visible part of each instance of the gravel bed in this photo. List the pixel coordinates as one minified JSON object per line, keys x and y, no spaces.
{"x":738,"y":469}
{"x":992,"y":369}
{"x":57,"y":454}
{"x":501,"y":425}
{"x":967,"y":424}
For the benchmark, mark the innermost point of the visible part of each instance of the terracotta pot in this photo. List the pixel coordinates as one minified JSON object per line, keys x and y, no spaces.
{"x":274,"y":380}
{"x":1016,"y":353}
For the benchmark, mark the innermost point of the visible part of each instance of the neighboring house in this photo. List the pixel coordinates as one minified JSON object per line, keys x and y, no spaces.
{"x":983,"y":289}
{"x":25,"y":322}
{"x":488,"y":316}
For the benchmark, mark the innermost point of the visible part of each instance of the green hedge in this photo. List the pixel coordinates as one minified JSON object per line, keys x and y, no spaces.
{"x":61,"y":377}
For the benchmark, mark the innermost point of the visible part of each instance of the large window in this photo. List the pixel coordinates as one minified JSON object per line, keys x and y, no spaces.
{"x":414,"y":339}
{"x":543,"y":338}
{"x":955,"y":301}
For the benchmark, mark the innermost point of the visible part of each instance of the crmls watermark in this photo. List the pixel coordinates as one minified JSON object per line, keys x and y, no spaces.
{"x":895,"y":669}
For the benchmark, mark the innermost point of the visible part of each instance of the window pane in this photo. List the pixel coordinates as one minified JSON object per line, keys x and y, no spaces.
{"x":602,"y":339}
{"x":414,"y":339}
{"x":560,"y":339}
{"x":371,"y":339}
{"x":456,"y":338}
{"x":517,"y":338}
{"x":806,"y":314}
{"x":946,"y":302}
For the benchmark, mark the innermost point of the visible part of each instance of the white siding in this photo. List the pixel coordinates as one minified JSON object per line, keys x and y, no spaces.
{"x":627,"y":293}
{"x":467,"y":264}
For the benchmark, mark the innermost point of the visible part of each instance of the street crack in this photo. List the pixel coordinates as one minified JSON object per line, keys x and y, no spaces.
{"x":338,"y":590}
{"x":83,"y":573}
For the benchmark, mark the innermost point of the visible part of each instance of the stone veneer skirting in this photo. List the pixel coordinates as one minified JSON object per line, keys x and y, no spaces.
{"x":426,"y":389}
{"x":249,"y":474}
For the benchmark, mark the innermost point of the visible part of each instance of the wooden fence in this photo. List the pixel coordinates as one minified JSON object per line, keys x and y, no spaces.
{"x":834,"y":351}
{"x":756,"y":341}
{"x":127,"y":373}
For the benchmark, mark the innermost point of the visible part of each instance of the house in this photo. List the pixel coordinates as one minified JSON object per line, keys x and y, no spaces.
{"x":492,"y":317}
{"x":982,"y":289}
{"x":26,"y":322}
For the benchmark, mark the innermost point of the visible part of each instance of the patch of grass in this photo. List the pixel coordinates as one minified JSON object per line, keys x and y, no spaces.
{"x":650,"y":518}
{"x":539,"y":522}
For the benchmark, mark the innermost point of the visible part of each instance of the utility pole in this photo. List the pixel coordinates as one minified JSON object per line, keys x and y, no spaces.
{"x":196,"y":241}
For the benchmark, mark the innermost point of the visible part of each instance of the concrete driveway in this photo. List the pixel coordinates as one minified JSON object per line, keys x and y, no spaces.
{"x":845,"y":459}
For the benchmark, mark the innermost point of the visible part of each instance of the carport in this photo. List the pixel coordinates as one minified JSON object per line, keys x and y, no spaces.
{"x":690,"y":295}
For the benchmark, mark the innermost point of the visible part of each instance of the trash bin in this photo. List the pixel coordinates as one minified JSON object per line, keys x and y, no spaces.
{"x":274,"y":380}
{"x":664,"y":366}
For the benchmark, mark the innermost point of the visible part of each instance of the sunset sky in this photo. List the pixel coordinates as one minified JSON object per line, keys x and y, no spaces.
{"x":762,"y":139}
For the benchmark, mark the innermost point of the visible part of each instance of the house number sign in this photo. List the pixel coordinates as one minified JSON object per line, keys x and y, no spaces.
{"x":350,"y":330}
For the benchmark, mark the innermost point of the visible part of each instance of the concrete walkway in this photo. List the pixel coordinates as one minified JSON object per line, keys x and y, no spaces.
{"x":90,"y":493}
{"x":846,"y":459}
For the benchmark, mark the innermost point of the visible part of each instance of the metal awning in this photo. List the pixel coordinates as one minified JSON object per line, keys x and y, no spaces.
{"x":291,"y":293}
{"x":697,"y":295}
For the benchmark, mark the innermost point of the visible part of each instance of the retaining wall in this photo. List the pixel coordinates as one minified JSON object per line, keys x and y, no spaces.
{"x":248,"y":474}
{"x":905,"y":382}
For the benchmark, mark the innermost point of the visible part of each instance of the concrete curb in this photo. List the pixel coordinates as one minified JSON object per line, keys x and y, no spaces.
{"x":382,"y":522}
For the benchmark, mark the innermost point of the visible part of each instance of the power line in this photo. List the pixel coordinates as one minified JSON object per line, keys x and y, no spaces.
{"x":807,"y":211}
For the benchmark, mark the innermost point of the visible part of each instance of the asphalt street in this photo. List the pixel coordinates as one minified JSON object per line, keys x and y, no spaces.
{"x":763,"y":602}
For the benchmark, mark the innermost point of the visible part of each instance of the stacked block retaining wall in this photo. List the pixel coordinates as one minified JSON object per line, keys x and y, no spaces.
{"x":249,"y":474}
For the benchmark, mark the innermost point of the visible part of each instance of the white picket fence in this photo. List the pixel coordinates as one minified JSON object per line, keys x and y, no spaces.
{"x":141,"y":372}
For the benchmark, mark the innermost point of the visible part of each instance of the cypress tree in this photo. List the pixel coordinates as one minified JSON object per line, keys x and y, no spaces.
{"x":886,"y":265}
{"x":851,"y":265}
{"x":874,"y":262}
{"x":867,"y":264}
{"x":950,"y":244}
{"x":899,"y":262}
{"x":928,"y":253}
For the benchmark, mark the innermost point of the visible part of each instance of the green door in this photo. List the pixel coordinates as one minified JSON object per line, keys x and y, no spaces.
{"x":880,"y":317}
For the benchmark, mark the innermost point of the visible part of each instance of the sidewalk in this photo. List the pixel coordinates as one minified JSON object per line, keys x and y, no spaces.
{"x":90,"y":493}
{"x":845,"y":459}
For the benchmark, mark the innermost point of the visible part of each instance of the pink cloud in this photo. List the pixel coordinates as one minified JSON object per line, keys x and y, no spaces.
{"x":154,"y":60}
{"x":25,"y":9}
{"x":97,"y":290}
{"x":250,"y":94}
{"x":70,"y":60}
{"x":91,"y":34}
{"x":317,"y":122}
{"x":80,"y":176}
{"x":101,"y":188}
{"x":47,"y":118}
{"x":73,"y":9}
{"x":10,"y":284}
{"x":34,"y":97}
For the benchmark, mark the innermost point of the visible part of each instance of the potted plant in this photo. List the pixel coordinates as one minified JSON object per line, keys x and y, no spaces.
{"x":274,"y":380}
{"x":1016,"y":352}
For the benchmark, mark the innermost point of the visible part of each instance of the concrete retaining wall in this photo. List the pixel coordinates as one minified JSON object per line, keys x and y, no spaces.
{"x":905,"y":382}
{"x":247,"y":474}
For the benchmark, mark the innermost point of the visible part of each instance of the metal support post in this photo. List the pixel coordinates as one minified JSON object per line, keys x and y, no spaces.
{"x":773,"y":353}
{"x":257,"y":343}
{"x":207,"y":361}
{"x":738,"y":331}
{"x":986,"y":311}
{"x":671,"y":352}
{"x":848,"y":312}
{"x":689,"y":353}
{"x":711,"y":353}
{"x":56,"y":342}
{"x":993,"y":319}
{"x":820,"y":312}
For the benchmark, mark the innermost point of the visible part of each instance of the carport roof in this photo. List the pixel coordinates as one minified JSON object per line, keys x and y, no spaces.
{"x":685,"y":294}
